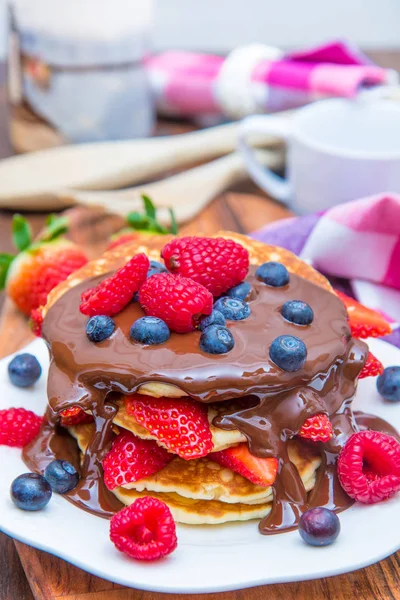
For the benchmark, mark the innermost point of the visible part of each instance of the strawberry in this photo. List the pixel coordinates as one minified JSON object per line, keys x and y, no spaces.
{"x":74,"y":416}
{"x":36,"y":321}
{"x":372,"y":367}
{"x":261,"y":471}
{"x":180,"y":424}
{"x":317,"y":428}
{"x":364,"y":322}
{"x":115,"y":292}
{"x":131,"y":459}
{"x":40,"y":266}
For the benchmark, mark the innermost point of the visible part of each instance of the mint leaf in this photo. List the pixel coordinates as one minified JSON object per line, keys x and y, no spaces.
{"x":138,"y":221}
{"x":55,"y":226}
{"x":5,"y":262}
{"x":21,"y":233}
{"x":149,"y":207}
{"x":174,"y":225}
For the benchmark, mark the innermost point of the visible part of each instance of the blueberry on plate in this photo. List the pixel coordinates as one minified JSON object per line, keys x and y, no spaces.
{"x":233,"y":309}
{"x":216,"y":318}
{"x":99,"y":328}
{"x":241,"y":291}
{"x":30,"y":491}
{"x":319,"y":526}
{"x":288,"y":352}
{"x":155,"y":268}
{"x":298,"y":312}
{"x":62,"y":476}
{"x":388,"y":384}
{"x":24,"y":370}
{"x":150,"y":331}
{"x":216,"y":339}
{"x":273,"y":273}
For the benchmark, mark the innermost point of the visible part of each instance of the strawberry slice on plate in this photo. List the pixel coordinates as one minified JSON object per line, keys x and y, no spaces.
{"x":364,"y":322}
{"x":261,"y":471}
{"x":372,"y":367}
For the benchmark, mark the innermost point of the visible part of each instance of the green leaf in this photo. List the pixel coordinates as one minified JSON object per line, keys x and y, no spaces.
{"x":55,"y":226}
{"x":138,"y":221}
{"x":21,"y":233}
{"x":5,"y":262}
{"x":174,"y":225}
{"x":149,"y":207}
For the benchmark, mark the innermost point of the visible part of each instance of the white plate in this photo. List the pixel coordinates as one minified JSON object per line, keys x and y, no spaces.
{"x":208,"y":559}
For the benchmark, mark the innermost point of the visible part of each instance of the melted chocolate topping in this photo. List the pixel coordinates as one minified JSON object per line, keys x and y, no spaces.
{"x":83,"y":373}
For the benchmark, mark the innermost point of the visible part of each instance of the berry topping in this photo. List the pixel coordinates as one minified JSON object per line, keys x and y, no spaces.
{"x":18,"y":427}
{"x":30,"y":491}
{"x":233,"y":309}
{"x":218,"y":264}
{"x":241,"y":291}
{"x":297,"y":312}
{"x":319,"y":526}
{"x":131,"y":459}
{"x":156,"y":267}
{"x":145,"y":530}
{"x":178,"y":301}
{"x":114,"y":293}
{"x":62,"y":476}
{"x":216,"y":318}
{"x":180,"y":424}
{"x":150,"y":331}
{"x":369,"y":466}
{"x":273,"y":273}
{"x":99,"y":328}
{"x":364,"y":322}
{"x":288,"y":352}
{"x":24,"y":370}
{"x":216,"y":339}
{"x":317,"y":428}
{"x":36,"y":321}
{"x":123,"y":237}
{"x":261,"y":471}
{"x":372,"y":367}
{"x":388,"y":384}
{"x":74,"y":416}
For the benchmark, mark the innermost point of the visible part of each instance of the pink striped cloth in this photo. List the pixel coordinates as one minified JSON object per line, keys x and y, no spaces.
{"x":357,"y":242}
{"x":185,"y":83}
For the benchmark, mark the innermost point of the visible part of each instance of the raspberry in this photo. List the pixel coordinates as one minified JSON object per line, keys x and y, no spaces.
{"x":131,"y":459}
{"x":18,"y":426}
{"x":114,"y":293}
{"x":218,"y":264}
{"x":369,"y":466}
{"x":178,"y":301}
{"x":145,"y":530}
{"x":74,"y":416}
{"x":372,"y":367}
{"x":317,"y":428}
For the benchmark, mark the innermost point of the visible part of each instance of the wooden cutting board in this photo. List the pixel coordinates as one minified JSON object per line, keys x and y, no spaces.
{"x":51,"y":578}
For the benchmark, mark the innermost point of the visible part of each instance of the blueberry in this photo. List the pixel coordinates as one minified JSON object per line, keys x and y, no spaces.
{"x":319,"y":526}
{"x":298,"y":312}
{"x":155,"y":268}
{"x":216,"y":318}
{"x":388,"y":384}
{"x":62,"y":476}
{"x":30,"y":491}
{"x":288,"y":352}
{"x":216,"y":339}
{"x":150,"y":330}
{"x":135,"y":297}
{"x":273,"y":273}
{"x":24,"y":370}
{"x":240,"y":291}
{"x":99,"y":328}
{"x":233,"y":309}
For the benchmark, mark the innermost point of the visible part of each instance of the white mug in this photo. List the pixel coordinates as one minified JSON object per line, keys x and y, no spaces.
{"x":338,"y":150}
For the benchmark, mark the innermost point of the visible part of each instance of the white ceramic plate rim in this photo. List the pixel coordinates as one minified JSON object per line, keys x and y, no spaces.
{"x":208,"y":559}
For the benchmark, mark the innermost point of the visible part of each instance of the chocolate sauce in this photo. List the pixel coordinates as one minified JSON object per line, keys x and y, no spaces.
{"x":85,"y":374}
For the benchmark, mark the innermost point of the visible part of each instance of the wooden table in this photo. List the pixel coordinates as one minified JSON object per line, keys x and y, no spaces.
{"x":26,"y":574}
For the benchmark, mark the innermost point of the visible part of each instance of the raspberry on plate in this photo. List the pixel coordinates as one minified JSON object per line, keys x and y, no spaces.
{"x":114,"y":293}
{"x":145,"y":530}
{"x":217,"y":263}
{"x":178,"y":301}
{"x":18,"y":426}
{"x":369,"y":466}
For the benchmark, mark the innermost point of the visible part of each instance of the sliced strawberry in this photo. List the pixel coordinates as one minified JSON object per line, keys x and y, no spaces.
{"x":372,"y":367}
{"x":261,"y":471}
{"x":317,"y":428}
{"x":179,"y":424}
{"x":74,"y":416}
{"x":364,"y":322}
{"x":131,"y":459}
